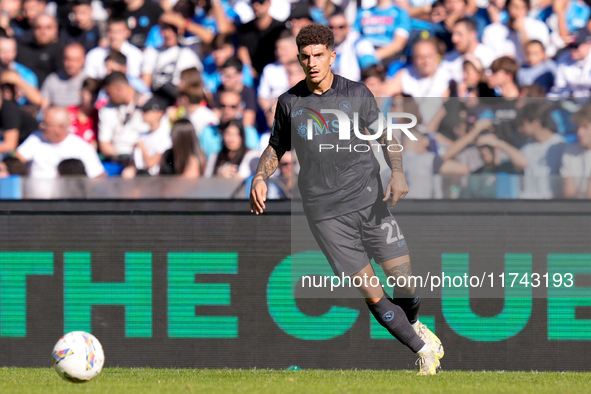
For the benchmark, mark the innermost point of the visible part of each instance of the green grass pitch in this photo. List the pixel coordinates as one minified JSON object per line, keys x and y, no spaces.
{"x":130,"y":380}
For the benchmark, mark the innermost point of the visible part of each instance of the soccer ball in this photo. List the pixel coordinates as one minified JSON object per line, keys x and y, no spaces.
{"x":78,"y":357}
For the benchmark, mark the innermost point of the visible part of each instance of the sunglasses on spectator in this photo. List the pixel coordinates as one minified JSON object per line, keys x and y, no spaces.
{"x":228,"y":106}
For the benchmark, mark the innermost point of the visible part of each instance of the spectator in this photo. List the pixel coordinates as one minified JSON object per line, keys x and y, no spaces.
{"x":15,"y":126}
{"x":81,"y":29}
{"x":502,"y":77}
{"x":141,"y":16}
{"x":222,"y":49}
{"x":235,"y":159}
{"x":116,"y":61}
{"x":510,"y":38}
{"x":454,"y":11}
{"x":71,"y":167}
{"x":465,"y":41}
{"x":231,"y":107}
{"x":22,"y":78}
{"x":202,"y":22}
{"x":117,"y":35}
{"x":148,"y":151}
{"x":576,"y":159}
{"x":232,"y":81}
{"x":563,"y":17}
{"x":185,"y":158}
{"x":21,"y":26}
{"x":192,"y":99}
{"x":62,"y":88}
{"x":162,"y":67}
{"x":9,"y":11}
{"x":573,"y":75}
{"x":10,"y":165}
{"x":353,"y":52}
{"x":84,"y":117}
{"x":537,"y":69}
{"x":256,"y":39}
{"x":281,"y":186}
{"x":121,"y":121}
{"x":274,"y":81}
{"x":299,"y":17}
{"x":387,"y":27}
{"x":473,"y":79}
{"x":45,"y":149}
{"x":540,"y":158}
{"x":44,"y":55}
{"x":424,"y":78}
{"x":321,"y":10}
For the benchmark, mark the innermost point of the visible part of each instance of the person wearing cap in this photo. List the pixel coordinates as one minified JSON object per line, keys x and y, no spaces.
{"x":573,"y":75}
{"x":162,"y":67}
{"x":153,"y":143}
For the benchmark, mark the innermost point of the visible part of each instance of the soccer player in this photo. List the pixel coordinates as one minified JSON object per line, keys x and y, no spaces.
{"x":343,"y":198}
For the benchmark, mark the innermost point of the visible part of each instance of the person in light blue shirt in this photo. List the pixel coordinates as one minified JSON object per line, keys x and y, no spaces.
{"x":222,"y":49}
{"x":386,"y":26}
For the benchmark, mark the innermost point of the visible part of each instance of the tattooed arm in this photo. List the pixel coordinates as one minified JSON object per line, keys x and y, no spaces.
{"x":268,"y":164}
{"x":397,"y":186}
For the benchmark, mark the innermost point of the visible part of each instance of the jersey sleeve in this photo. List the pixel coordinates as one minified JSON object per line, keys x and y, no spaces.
{"x":281,"y":129}
{"x":402,"y":25}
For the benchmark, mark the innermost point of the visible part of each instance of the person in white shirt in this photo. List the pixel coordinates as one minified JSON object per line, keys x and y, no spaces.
{"x":425,"y":77}
{"x":353,"y":52}
{"x":153,"y":143}
{"x":576,"y":159}
{"x":117,"y":33}
{"x":162,"y":67}
{"x":573,"y":75}
{"x":465,"y":40}
{"x":45,"y":149}
{"x":120,"y":121}
{"x":509,"y":39}
{"x":539,"y":159}
{"x":274,"y":80}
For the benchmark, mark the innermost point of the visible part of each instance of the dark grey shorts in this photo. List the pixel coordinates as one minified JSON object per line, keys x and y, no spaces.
{"x":350,"y":241}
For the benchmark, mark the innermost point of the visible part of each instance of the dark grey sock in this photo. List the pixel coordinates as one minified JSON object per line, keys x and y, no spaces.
{"x":410,"y":304}
{"x":393,"y":318}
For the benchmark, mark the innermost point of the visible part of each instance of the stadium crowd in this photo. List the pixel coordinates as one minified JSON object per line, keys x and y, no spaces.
{"x":188,"y":87}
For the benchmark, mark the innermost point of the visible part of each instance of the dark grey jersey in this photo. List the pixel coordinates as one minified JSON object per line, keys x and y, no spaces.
{"x":338,"y":175}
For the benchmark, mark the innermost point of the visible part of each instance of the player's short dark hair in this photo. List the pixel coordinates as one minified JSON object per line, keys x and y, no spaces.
{"x":583,"y":115}
{"x":71,"y":167}
{"x":115,"y":77}
{"x":315,"y":34}
{"x":537,"y":110}
{"x":469,"y":23}
{"x":76,"y":3}
{"x":233,"y":62}
{"x":117,"y":57}
{"x":506,"y":64}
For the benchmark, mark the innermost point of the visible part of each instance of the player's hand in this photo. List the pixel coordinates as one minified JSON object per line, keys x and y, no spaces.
{"x":397,"y":188}
{"x":258,"y":195}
